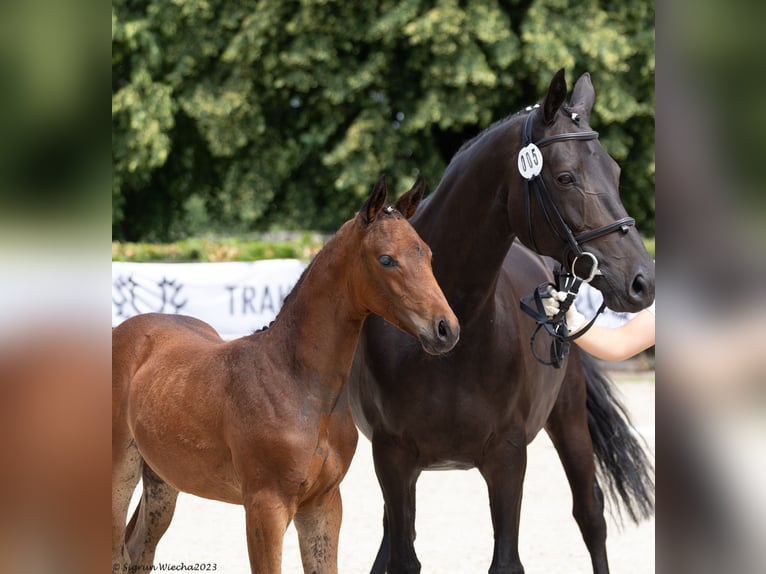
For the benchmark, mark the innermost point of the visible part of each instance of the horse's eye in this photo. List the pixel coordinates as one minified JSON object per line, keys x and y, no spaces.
{"x":387,"y":261}
{"x":566,"y":179}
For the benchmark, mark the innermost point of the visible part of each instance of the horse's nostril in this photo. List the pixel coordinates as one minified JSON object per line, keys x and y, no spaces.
{"x":442,"y":330}
{"x":639,"y":285}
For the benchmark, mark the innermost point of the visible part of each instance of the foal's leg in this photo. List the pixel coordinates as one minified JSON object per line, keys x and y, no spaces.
{"x":318,"y":526}
{"x":267,"y":517}
{"x":397,"y":475}
{"x":567,"y":427}
{"x":126,"y":471}
{"x":503,"y":469}
{"x":151,"y":518}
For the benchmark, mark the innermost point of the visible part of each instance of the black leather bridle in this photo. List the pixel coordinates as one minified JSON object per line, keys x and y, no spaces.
{"x":535,"y":186}
{"x":566,"y":278}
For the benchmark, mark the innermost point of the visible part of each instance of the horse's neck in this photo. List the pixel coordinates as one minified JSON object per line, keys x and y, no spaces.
{"x":466,"y":222}
{"x":320,"y":323}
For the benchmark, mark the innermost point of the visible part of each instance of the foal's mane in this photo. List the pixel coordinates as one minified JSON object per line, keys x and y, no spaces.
{"x":388,"y":212}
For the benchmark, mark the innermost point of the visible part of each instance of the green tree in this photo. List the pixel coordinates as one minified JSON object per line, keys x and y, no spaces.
{"x":240,"y":116}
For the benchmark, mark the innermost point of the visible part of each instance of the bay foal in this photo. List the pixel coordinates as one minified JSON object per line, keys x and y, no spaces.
{"x":262,"y":420}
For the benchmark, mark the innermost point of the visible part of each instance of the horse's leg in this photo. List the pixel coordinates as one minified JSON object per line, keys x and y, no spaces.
{"x":151,"y":518}
{"x":397,"y":474}
{"x":267,"y":517}
{"x":567,"y":426}
{"x":318,"y":526}
{"x":381,"y":559}
{"x":503,"y":469}
{"x":126,"y":472}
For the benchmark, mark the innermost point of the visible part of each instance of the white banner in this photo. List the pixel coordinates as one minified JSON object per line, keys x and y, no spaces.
{"x":236,"y":298}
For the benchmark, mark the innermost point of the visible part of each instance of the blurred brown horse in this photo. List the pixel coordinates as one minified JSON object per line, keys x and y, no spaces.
{"x":540,"y":176}
{"x":262,"y":421}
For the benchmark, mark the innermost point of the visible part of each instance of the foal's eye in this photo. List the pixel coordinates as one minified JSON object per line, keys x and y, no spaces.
{"x":566,"y":179}
{"x":387,"y":261}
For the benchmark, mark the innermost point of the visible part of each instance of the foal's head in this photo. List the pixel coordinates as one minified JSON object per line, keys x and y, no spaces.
{"x":393,"y":276}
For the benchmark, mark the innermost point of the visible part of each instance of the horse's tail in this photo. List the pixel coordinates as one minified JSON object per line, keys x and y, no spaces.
{"x":623,"y":468}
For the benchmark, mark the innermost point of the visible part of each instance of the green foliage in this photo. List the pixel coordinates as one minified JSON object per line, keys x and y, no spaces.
{"x":649,"y":243}
{"x":231,"y":117}
{"x":205,"y":248}
{"x":194,"y":249}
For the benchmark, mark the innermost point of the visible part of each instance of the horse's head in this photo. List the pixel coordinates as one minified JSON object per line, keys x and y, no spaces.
{"x":574,"y":212}
{"x":394,"y":277}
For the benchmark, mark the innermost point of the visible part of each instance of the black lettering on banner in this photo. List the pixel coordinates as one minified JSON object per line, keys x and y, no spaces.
{"x":256,"y":300}
{"x":267,"y":302}
{"x":248,"y":294}
{"x":133,"y":296}
{"x":231,"y":289}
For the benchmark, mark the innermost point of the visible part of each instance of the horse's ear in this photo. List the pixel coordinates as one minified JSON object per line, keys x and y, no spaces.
{"x":375,"y":202}
{"x":583,"y":96}
{"x":557,"y":93}
{"x":408,"y":203}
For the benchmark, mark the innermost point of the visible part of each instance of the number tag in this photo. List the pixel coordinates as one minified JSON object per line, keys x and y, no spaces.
{"x":530,"y":161}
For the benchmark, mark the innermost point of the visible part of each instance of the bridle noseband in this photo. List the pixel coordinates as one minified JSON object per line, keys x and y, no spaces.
{"x":530,"y":166}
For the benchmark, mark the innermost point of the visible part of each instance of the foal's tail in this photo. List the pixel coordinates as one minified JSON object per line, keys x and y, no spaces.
{"x":624,"y":470}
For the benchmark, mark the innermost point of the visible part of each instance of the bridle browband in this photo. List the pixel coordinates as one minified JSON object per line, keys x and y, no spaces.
{"x":566,"y":278}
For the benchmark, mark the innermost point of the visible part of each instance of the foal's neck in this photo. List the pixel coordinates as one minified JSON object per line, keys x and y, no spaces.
{"x":320,"y":322}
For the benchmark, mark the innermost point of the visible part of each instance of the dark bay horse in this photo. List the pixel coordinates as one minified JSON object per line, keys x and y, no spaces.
{"x":480,"y":405}
{"x":262,"y":420}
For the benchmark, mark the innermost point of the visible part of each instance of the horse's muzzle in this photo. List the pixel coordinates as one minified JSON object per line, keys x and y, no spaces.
{"x":641,"y":290}
{"x":443,"y":336}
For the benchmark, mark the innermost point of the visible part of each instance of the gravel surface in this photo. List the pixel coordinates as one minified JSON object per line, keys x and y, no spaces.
{"x":453,"y":522}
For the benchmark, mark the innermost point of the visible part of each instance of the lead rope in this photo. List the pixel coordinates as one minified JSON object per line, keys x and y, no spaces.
{"x":556,"y":325}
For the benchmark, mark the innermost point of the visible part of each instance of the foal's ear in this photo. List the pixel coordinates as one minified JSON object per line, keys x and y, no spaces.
{"x":557,"y":92}
{"x":583,"y":96}
{"x":408,"y":203}
{"x":375,"y":202}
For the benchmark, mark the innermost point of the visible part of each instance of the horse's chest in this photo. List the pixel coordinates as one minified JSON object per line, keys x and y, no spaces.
{"x":330,"y":458}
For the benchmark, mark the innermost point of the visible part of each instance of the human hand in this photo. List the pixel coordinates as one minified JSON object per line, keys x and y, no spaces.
{"x":552,"y":304}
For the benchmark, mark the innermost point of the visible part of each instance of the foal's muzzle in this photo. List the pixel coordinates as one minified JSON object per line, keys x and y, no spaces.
{"x":441,"y":336}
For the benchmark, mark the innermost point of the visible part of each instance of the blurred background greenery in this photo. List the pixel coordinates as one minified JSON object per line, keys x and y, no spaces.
{"x":231,"y":117}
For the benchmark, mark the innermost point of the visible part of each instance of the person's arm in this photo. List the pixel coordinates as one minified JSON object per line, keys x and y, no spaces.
{"x":619,"y":343}
{"x":607,"y":343}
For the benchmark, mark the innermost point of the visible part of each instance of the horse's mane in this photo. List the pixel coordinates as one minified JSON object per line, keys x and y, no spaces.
{"x":467,"y":145}
{"x":489,"y":128}
{"x":289,"y":295}
{"x":385,"y":212}
{"x":482,"y":133}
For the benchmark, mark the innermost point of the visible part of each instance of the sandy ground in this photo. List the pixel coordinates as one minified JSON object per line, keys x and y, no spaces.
{"x":454,"y":531}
